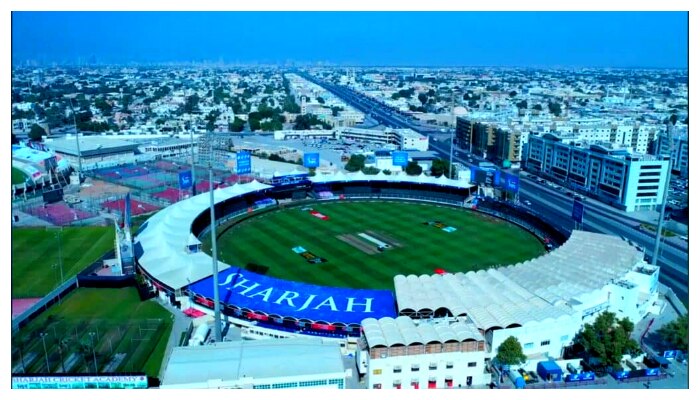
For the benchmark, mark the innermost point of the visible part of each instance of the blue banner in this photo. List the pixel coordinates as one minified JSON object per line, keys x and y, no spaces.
{"x":512,"y":183}
{"x":577,"y":212}
{"x":185,"y":178}
{"x":399,"y":158}
{"x":312,"y":160}
{"x":243,"y":163}
{"x":261,"y":293}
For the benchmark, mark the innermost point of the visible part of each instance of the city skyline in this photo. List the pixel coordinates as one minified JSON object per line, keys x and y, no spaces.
{"x":449,"y":39}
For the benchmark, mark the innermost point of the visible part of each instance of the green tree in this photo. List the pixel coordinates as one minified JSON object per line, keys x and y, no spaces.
{"x":308,"y":121}
{"x":355,"y":163}
{"x":675,"y":333}
{"x":371,"y":171}
{"x":36,"y":132}
{"x":126,"y":100}
{"x":513,"y":93}
{"x":554,"y":108}
{"x":441,"y":167}
{"x":510,"y":352}
{"x":290,"y":105}
{"x":254,"y":124}
{"x":386,"y":172}
{"x":237,"y":125}
{"x":191,"y":105}
{"x":21,"y":114}
{"x":269,"y":126}
{"x":608,"y":339}
{"x":413,"y":168}
{"x":521,"y":104}
{"x":423,"y":98}
{"x":673,"y":119}
{"x":320,"y":100}
{"x":335,"y":110}
{"x":537,"y":107}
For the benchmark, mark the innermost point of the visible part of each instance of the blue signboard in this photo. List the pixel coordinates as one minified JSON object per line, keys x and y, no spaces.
{"x":312,"y":160}
{"x":262,"y":293}
{"x":243,"y":163}
{"x":510,"y":183}
{"x":399,"y":158}
{"x":185,"y":178}
{"x":577,"y":212}
{"x":670,"y":353}
{"x":301,"y":178}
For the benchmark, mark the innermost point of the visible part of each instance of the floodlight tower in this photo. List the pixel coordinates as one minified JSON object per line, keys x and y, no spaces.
{"x":215,"y":261}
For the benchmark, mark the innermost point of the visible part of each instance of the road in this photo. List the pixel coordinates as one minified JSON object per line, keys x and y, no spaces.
{"x":554,"y":205}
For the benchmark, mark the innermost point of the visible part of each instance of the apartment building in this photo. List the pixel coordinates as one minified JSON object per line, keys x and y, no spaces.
{"x":489,"y":139}
{"x":677,"y":151}
{"x":629,"y":180}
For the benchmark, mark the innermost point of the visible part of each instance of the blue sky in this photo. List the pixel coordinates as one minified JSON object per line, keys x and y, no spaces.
{"x":530,"y":39}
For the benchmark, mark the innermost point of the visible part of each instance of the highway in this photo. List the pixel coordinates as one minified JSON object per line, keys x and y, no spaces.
{"x":553,"y":204}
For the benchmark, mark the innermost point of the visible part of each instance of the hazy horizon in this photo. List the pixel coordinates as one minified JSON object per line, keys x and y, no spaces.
{"x":617,"y":40}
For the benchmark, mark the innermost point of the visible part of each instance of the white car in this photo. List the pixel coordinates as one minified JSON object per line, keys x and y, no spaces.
{"x":527,"y":202}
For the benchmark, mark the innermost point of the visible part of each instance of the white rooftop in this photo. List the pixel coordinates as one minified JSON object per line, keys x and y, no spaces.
{"x":257,"y":359}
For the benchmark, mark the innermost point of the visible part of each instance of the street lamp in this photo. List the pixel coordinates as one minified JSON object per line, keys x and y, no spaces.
{"x":94,"y":358}
{"x":46,"y":355}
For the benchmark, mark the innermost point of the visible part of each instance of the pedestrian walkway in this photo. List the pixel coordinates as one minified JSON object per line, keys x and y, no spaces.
{"x":180,"y":324}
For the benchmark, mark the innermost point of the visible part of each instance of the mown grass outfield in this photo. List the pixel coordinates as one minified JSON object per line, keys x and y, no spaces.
{"x":35,"y":256}
{"x":18,"y":176}
{"x":478,"y":242}
{"x":128,"y":335}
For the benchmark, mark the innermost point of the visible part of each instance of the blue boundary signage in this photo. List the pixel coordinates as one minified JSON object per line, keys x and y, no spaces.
{"x":260,"y":293}
{"x":312,"y":160}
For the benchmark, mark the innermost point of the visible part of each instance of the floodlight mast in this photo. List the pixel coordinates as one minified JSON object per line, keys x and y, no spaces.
{"x":215,"y":261}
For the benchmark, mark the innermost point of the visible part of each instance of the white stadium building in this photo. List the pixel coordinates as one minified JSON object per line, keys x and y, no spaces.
{"x":448,"y":325}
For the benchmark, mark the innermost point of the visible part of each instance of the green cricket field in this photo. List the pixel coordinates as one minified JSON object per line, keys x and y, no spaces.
{"x":420,"y":238}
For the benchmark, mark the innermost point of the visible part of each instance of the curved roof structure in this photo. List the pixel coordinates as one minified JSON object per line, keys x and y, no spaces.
{"x":165,"y":238}
{"x":359,"y":176}
{"x":404,"y":331}
{"x":531,"y":291}
{"x":540,"y":289}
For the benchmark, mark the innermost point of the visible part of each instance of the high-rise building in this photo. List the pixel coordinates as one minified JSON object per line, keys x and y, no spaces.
{"x":631,"y":181}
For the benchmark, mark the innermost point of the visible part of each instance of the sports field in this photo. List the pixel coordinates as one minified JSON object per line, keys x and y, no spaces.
{"x":349,"y":238}
{"x":18,"y":176}
{"x":126,"y":334}
{"x":35,"y":256}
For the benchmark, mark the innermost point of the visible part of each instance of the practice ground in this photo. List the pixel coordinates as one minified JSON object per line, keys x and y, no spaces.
{"x":128,"y":335}
{"x":478,"y":242}
{"x":35,"y":256}
{"x":18,"y":176}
